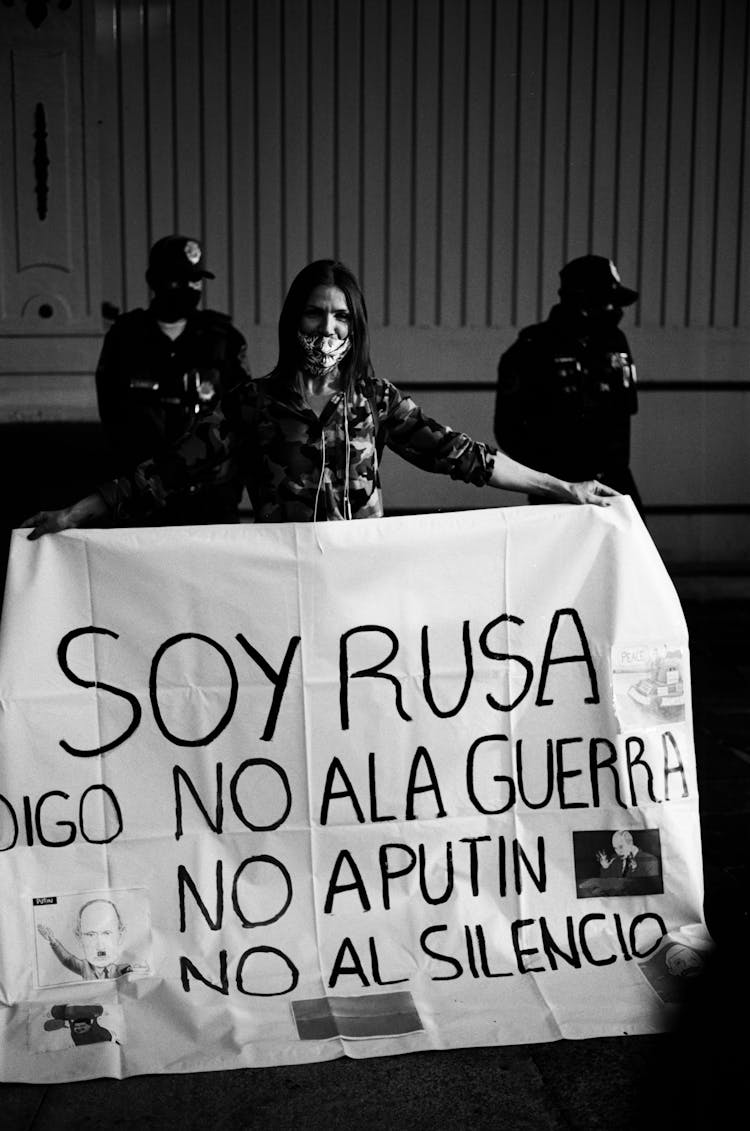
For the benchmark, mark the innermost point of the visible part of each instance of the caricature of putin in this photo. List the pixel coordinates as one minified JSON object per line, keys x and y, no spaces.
{"x":99,"y":929}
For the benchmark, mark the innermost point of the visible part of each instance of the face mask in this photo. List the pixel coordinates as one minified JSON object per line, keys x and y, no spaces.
{"x":321,"y":352}
{"x":604,"y":317}
{"x":176,"y":303}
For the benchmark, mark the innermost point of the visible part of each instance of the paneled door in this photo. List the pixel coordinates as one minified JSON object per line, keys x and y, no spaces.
{"x":50,"y":289}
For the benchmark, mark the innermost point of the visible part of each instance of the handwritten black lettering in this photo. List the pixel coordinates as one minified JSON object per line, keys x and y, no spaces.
{"x":584,"y":656}
{"x":527,"y":666}
{"x":336,"y":770}
{"x":286,"y":880}
{"x":264,"y":976}
{"x":375,"y":671}
{"x":336,"y":887}
{"x":471,"y":778}
{"x":185,"y":880}
{"x":448,"y":959}
{"x":421,"y":757}
{"x":635,"y":751}
{"x":671,"y":749}
{"x":180,"y":776}
{"x":355,"y":967}
{"x":278,"y":679}
{"x":188,"y":969}
{"x":79,"y":681}
{"x":449,"y":712}
{"x":153,"y":685}
{"x":607,"y":763}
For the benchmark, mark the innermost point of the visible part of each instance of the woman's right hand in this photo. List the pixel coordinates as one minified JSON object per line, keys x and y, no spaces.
{"x":87,"y":510}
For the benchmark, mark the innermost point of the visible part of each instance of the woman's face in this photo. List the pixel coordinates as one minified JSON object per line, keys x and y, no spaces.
{"x":326,"y":312}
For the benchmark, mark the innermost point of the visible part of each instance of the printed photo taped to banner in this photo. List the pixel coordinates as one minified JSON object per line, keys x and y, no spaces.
{"x":620,"y":863}
{"x":71,"y":1030}
{"x":91,"y":936}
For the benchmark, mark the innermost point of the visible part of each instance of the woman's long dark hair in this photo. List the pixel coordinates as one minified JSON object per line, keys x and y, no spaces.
{"x":328,"y":273}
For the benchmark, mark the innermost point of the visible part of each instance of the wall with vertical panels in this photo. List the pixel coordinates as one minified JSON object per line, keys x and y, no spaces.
{"x":455,"y":153}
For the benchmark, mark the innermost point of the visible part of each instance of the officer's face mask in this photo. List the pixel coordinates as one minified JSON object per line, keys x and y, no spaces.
{"x":610,"y":316}
{"x":602,"y":316}
{"x":174,"y":301}
{"x":321,"y":352}
{"x":589,"y":317}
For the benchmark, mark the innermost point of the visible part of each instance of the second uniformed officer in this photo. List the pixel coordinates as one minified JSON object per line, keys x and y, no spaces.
{"x":161,"y":367}
{"x":567,"y":387}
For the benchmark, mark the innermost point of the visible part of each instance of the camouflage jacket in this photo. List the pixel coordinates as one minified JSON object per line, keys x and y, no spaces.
{"x":296,"y":465}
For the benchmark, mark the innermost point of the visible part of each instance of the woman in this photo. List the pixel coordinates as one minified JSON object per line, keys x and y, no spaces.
{"x":306,"y":440}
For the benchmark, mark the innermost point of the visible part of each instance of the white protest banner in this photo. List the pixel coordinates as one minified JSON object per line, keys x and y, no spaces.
{"x":273,"y":794}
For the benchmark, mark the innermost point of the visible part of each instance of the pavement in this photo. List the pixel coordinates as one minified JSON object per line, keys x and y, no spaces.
{"x":694,"y":1077}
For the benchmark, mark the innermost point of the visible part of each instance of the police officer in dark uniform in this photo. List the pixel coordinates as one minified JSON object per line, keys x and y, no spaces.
{"x":162,"y":367}
{"x":567,"y":387}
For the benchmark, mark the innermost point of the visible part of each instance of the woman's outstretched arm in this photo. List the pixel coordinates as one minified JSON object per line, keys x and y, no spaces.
{"x":91,"y":509}
{"x":510,"y":475}
{"x":204,"y":456}
{"x":435,"y":447}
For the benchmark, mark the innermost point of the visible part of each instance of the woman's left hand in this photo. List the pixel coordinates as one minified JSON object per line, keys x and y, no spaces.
{"x":590,"y":491}
{"x":510,"y":475}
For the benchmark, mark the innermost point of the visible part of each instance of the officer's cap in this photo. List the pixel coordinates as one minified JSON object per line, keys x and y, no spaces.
{"x":593,"y":277}
{"x":177,"y":257}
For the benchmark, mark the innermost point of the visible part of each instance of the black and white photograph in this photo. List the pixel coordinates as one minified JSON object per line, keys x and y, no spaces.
{"x":620,"y":862}
{"x":374,"y":564}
